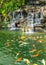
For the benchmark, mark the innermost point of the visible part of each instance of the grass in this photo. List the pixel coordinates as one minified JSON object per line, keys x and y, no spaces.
{"x":21,"y":49}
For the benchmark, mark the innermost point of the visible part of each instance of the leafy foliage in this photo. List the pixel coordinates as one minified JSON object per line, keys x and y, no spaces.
{"x":18,"y":49}
{"x":10,"y":5}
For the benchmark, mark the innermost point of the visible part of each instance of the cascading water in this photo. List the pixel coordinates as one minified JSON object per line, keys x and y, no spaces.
{"x":11,"y":25}
{"x":37,"y":19}
{"x":42,"y":13}
{"x":18,"y":18}
{"x":13,"y":15}
{"x":33,"y":19}
{"x":30,"y":23}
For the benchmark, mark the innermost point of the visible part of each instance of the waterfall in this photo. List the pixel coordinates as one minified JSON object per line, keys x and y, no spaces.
{"x":21,"y":15}
{"x":37,"y":20}
{"x":11,"y":25}
{"x":30,"y":23}
{"x":13,"y":15}
{"x":42,"y":13}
